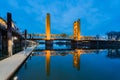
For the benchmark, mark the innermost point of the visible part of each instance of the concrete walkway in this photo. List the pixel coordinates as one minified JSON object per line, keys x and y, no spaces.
{"x":9,"y":65}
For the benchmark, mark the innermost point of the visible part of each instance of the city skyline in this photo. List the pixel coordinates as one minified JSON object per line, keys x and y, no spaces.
{"x":96,"y":17}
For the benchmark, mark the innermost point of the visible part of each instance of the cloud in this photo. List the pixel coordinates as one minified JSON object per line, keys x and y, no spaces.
{"x":93,"y":14}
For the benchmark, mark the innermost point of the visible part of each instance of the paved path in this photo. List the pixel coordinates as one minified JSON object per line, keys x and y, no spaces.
{"x":9,"y":65}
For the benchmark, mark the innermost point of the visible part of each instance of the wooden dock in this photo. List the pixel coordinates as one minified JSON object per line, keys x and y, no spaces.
{"x":10,"y":65}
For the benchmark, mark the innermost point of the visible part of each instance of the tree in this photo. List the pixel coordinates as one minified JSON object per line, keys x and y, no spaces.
{"x":63,"y":35}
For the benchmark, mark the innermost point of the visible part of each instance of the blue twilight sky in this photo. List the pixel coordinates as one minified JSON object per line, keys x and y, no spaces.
{"x":97,"y":16}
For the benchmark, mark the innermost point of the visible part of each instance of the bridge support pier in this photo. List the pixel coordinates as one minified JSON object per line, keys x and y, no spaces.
{"x":48,"y":44}
{"x":73,"y":44}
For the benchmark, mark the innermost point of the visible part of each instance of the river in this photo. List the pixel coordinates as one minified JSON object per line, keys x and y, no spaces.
{"x":64,"y":64}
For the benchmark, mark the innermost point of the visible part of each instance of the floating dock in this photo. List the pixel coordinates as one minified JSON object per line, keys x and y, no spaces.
{"x":10,"y":65}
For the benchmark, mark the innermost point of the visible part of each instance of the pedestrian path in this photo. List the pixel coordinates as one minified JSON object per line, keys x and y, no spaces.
{"x":9,"y":65}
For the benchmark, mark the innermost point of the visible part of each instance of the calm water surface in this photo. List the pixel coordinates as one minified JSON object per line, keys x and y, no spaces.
{"x":76,"y":64}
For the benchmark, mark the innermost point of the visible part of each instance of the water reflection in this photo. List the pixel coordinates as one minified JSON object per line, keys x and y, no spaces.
{"x":25,"y":65}
{"x":113,"y":53}
{"x":69,"y":64}
{"x":47,"y":55}
{"x":58,"y":52}
{"x":76,"y":59}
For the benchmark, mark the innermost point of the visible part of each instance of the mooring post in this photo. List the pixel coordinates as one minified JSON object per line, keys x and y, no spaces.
{"x":30,"y":36}
{"x":9,"y":34}
{"x":0,"y":43}
{"x":20,"y":42}
{"x":25,"y":38}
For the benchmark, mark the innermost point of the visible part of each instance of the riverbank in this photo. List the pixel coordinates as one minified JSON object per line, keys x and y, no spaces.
{"x":9,"y":65}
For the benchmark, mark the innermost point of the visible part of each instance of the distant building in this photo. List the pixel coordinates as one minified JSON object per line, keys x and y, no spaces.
{"x":113,"y":35}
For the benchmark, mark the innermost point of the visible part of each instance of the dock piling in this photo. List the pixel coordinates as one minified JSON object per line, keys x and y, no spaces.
{"x":9,"y":34}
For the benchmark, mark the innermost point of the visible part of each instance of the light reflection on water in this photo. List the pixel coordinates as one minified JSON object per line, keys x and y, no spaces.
{"x":76,"y":64}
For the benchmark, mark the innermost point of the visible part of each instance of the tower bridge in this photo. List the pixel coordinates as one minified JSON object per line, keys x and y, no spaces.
{"x":10,"y":34}
{"x":48,"y":36}
{"x":76,"y":40}
{"x":44,"y":35}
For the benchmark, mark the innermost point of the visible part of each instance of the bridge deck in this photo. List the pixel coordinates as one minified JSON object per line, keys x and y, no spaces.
{"x":70,"y":39}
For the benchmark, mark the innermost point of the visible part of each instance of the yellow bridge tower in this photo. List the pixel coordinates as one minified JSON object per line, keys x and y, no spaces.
{"x":48,"y":26}
{"x":48,"y":41}
{"x":76,"y":30}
